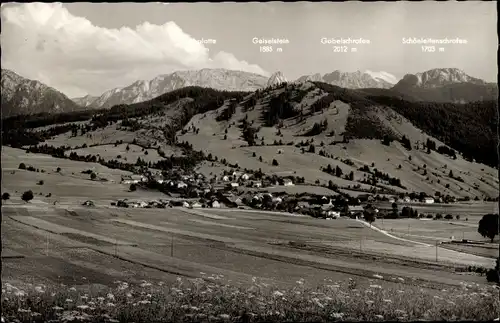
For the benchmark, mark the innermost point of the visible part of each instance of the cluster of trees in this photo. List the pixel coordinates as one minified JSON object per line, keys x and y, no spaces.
{"x":336,"y":171}
{"x":279,"y":108}
{"x":228,"y":112}
{"x":405,"y":142}
{"x":317,"y":128}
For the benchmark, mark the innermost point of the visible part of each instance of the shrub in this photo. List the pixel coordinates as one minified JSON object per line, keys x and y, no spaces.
{"x":448,"y":217}
{"x":40,"y":182}
{"x":457,"y":217}
{"x":5,"y":196}
{"x":27,"y":196}
{"x":275,"y":162}
{"x":438,"y":216}
{"x":253,"y":154}
{"x":22,"y":166}
{"x":58,"y":169}
{"x":93,"y":176}
{"x":133,"y":187}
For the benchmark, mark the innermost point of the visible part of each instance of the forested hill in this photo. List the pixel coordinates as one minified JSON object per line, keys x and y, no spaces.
{"x":471,"y":128}
{"x":204,"y":99}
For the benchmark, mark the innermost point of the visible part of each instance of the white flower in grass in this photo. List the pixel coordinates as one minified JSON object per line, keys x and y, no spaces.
{"x":278,"y":293}
{"x":194,"y":308}
{"x":387,"y":301}
{"x":143,"y":302}
{"x":375,"y":286}
{"x":369,"y":302}
{"x":337,"y":315}
{"x":21,"y":310}
{"x":110,"y":305}
{"x":83,"y":307}
{"x":57,"y":308}
{"x":72,"y":289}
{"x":184,"y":307}
{"x":69,"y":300}
{"x":380,"y":317}
{"x":110,"y":296}
{"x":224,"y":316}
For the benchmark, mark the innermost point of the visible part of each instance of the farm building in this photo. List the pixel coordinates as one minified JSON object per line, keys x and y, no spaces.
{"x":215,"y":204}
{"x":181,"y":185}
{"x":332,"y":214}
{"x":196,"y":205}
{"x":288,"y":182}
{"x":233,"y":185}
{"x":428,"y":200}
{"x":354,"y":209}
{"x":245,"y":177}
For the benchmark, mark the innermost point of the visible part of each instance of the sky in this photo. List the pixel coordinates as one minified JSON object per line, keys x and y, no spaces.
{"x":89,"y":48}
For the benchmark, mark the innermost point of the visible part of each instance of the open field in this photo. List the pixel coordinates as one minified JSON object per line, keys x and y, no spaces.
{"x":69,"y":186}
{"x":237,"y":244}
{"x":109,"y":152}
{"x":93,"y":247}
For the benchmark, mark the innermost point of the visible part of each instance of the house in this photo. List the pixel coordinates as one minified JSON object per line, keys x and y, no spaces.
{"x":245,"y":177}
{"x":142,"y":204}
{"x":406,"y":199}
{"x":196,"y":205}
{"x":88,"y":203}
{"x":130,"y":179}
{"x":428,"y":200}
{"x":181,"y":185}
{"x":234,"y":185}
{"x":225,"y":178}
{"x":332,"y":214}
{"x":392,"y":200}
{"x":215,"y":204}
{"x":236,"y":174}
{"x":354,"y":209}
{"x":185,"y":204}
{"x":277,"y":200}
{"x":257,"y":184}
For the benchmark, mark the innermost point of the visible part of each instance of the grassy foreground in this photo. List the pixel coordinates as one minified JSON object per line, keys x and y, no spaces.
{"x":209,"y":300}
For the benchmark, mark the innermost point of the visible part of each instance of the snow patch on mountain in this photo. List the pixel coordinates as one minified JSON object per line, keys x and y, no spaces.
{"x":276,"y":79}
{"x":387,"y":77}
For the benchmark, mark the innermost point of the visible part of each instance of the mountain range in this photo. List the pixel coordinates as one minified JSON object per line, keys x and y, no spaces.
{"x":24,"y":96}
{"x":355,"y":80}
{"x":218,"y":79}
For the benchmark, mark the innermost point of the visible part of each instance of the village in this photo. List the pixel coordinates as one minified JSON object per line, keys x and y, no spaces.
{"x":247,"y":190}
